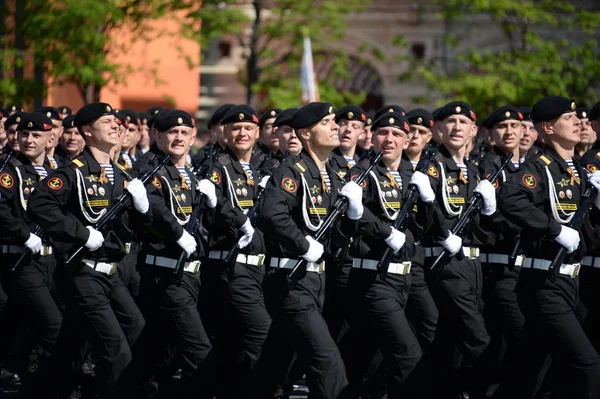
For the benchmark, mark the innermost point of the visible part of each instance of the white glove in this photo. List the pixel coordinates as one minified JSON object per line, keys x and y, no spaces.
{"x":452,"y":244}
{"x":396,"y":240}
{"x":95,"y":239}
{"x":34,"y":243}
{"x":594,"y":180}
{"x":263,"y":181}
{"x":315,"y":250}
{"x":187,"y":243}
{"x":353,"y":192}
{"x":568,"y":238}
{"x":248,"y":231}
{"x":207,"y":188}
{"x":488,"y":193}
{"x":138,"y":194}
{"x":422,"y":182}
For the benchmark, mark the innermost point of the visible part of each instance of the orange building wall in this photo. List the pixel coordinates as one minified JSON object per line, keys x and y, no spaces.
{"x":179,"y":82}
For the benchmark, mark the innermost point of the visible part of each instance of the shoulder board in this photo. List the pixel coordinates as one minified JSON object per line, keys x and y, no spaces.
{"x":77,"y":162}
{"x":224,"y":159}
{"x":544,"y":160}
{"x":120,"y":167}
{"x":301,"y":166}
{"x":598,"y":154}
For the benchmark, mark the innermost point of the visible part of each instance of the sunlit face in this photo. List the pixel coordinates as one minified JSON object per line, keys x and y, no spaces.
{"x":507,"y":134}
{"x":457,"y":131}
{"x":133,"y":133}
{"x":33,"y":143}
{"x":323,"y":135}
{"x":419,"y":136}
{"x":177,"y":140}
{"x":267,"y":137}
{"x":144,"y":137}
{"x":528,"y":137}
{"x":365,"y":141}
{"x":103,"y":133}
{"x":288,"y":140}
{"x":564,"y":130}
{"x":72,"y":141}
{"x":57,"y":131}
{"x":392,"y":141}
{"x":241,"y":136}
{"x":11,"y":134}
{"x":587,"y":134}
{"x":350,"y":133}
{"x":217,"y":135}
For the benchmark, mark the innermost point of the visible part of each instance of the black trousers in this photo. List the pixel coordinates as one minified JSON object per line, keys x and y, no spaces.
{"x":101,"y":312}
{"x":588,"y":309}
{"x":421,"y":309}
{"x":173,"y":318}
{"x":552,"y":331}
{"x":298,"y":326}
{"x":128,"y":272}
{"x":461,"y":336}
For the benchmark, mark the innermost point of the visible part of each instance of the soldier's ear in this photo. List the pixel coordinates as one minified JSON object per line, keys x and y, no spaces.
{"x":596,"y":126}
{"x":303,"y":134}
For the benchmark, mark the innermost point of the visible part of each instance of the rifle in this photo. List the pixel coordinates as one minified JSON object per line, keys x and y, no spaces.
{"x":5,"y":161}
{"x":339,"y":207}
{"x":196,"y":215}
{"x":233,"y":253}
{"x":512,"y":258}
{"x":112,"y":213}
{"x":18,"y":264}
{"x":406,"y":210}
{"x":575,"y":223}
{"x":467,"y":217}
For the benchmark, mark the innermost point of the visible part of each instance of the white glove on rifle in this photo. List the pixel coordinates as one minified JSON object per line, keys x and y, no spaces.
{"x":34,"y":243}
{"x":421,"y":181}
{"x":138,"y":194}
{"x":207,"y":188}
{"x":568,"y":238}
{"x":594,"y":179}
{"x":263,"y":181}
{"x":187,"y":243}
{"x":488,"y":193}
{"x":452,"y":244}
{"x":248,"y":231}
{"x":353,"y":192}
{"x":95,"y":240}
{"x":315,"y":250}
{"x":396,"y":240}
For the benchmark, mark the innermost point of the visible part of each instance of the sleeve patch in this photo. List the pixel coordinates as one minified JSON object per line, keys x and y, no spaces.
{"x":363,"y":184}
{"x":433,"y":172}
{"x":55,"y":183}
{"x":156,"y":182}
{"x":591,"y":168}
{"x":289,"y":185}
{"x":529,"y":180}
{"x":6,"y":180}
{"x":494,"y":184}
{"x":215,"y":177}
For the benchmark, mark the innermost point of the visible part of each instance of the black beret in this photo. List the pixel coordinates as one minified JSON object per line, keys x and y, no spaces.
{"x":128,"y":115}
{"x":154,"y":110}
{"x":240,"y":113}
{"x":420,"y":116}
{"x":50,"y":112}
{"x":144,"y":118}
{"x":310,"y":114}
{"x":219,"y":113}
{"x":14,"y":119}
{"x":392,"y":119}
{"x":435,"y":114}
{"x":549,"y":108}
{"x":271,"y":113}
{"x":174,"y":117}
{"x":370,"y":118}
{"x":501,"y":114}
{"x":121,"y":120}
{"x":154,"y":117}
{"x":68,"y":121}
{"x":90,"y":112}
{"x":389,"y":108}
{"x":583,"y":112}
{"x":526,"y":112}
{"x":595,"y":112}
{"x":14,"y":108}
{"x":350,"y":113}
{"x":285,"y":117}
{"x":64,"y":110}
{"x":456,"y":108}
{"x":35,"y":121}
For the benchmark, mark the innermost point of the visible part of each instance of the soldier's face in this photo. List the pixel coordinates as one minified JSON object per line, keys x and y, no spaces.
{"x":33,"y":143}
{"x":241,"y":136}
{"x":268,"y":138}
{"x":217,"y":135}
{"x":456,"y":131}
{"x":419,"y":137}
{"x":350,"y":133}
{"x":128,"y":136}
{"x":104,"y":132}
{"x":528,"y":137}
{"x":71,"y":141}
{"x":565,"y":129}
{"x":144,"y":137}
{"x":391,"y":140}
{"x":2,"y":131}
{"x":288,"y":141}
{"x":507,"y":134}
{"x":176,"y":140}
{"x":11,"y":134}
{"x":57,"y":131}
{"x":325,"y":134}
{"x":587,"y":134}
{"x":365,"y":141}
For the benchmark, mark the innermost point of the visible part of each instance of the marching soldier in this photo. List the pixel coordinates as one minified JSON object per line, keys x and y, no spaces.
{"x":57,"y":130}
{"x":217,"y":137}
{"x":71,"y":142}
{"x":99,"y":308}
{"x":10,"y":126}
{"x":587,"y":134}
{"x":529,"y":147}
{"x":541,"y":199}
{"x":288,"y":140}
{"x":365,"y":142}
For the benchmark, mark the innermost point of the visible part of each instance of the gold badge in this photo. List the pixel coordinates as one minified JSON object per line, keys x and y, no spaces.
{"x":6,"y":180}
{"x":432,"y":171}
{"x":458,"y":109}
{"x":179,"y":121}
{"x":573,"y":106}
{"x":592,"y":168}
{"x":419,"y":120}
{"x":18,"y":119}
{"x":215,"y":177}
{"x":55,"y":183}
{"x":350,"y":115}
{"x":584,"y":114}
{"x":391,"y":110}
{"x":369,"y":121}
{"x":391,"y":121}
{"x":330,"y":110}
{"x":156,"y":182}
{"x":241,"y":116}
{"x":48,"y":114}
{"x":108,"y":109}
{"x":507,"y":114}
{"x":103,"y":176}
{"x":29,"y":124}
{"x":529,"y":181}
{"x":289,"y":185}
{"x":273,"y":113}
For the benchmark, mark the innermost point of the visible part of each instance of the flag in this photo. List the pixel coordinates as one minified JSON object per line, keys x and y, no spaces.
{"x":308,"y":80}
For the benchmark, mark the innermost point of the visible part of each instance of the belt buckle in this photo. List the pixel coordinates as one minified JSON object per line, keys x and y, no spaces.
{"x":576,"y":268}
{"x":406,"y":267}
{"x":113,"y":269}
{"x":520,"y":260}
{"x":473,"y":252}
{"x":261,"y":260}
{"x":45,"y":250}
{"x":197,"y":267}
{"x":321,"y":267}
{"x":127,"y":247}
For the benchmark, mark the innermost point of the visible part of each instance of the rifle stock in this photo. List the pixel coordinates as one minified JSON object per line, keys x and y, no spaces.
{"x":5,"y":161}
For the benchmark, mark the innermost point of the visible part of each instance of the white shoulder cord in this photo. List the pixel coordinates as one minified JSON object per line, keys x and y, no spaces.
{"x":81,"y":188}
{"x":503,"y":176}
{"x":445,"y":194}
{"x":232,"y":192}
{"x":185,"y":219}
{"x":304,"y":212}
{"x":23,"y":203}
{"x":382,"y":199}
{"x":554,"y":201}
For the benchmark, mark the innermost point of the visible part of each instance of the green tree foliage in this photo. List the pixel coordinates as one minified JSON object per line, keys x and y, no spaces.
{"x":536,"y":60}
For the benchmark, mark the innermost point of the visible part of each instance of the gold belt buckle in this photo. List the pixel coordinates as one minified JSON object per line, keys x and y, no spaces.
{"x":472,"y":252}
{"x":406,"y":267}
{"x":261,"y":260}
{"x":113,"y":269}
{"x":46,"y":250}
{"x":127,"y":247}
{"x":321,"y":267}
{"x":576,"y":270}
